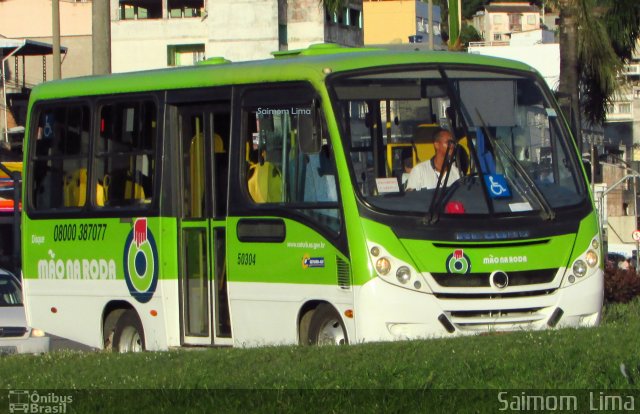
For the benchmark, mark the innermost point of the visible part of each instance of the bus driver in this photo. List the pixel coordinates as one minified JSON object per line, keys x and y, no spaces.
{"x":425,"y":175}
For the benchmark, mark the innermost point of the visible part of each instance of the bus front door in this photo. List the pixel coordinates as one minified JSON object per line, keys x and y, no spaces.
{"x":204,"y":137}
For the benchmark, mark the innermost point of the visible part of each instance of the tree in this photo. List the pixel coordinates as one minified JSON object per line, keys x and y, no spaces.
{"x":596,"y":38}
{"x":333,"y":5}
{"x":568,"y":88}
{"x":468,"y":34}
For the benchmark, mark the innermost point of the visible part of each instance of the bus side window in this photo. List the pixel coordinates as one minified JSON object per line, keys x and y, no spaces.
{"x":290,"y":161}
{"x":125,"y":155}
{"x":60,"y":158}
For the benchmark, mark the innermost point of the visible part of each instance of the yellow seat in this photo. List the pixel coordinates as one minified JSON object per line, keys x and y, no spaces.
{"x":11,"y":166}
{"x":265,"y":183}
{"x":132,"y":190}
{"x":75,"y":189}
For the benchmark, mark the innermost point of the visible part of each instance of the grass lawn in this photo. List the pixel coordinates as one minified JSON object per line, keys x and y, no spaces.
{"x":376,"y":376}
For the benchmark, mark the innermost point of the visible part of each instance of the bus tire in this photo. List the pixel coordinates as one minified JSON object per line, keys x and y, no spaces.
{"x":326,"y":327}
{"x":128,"y":335}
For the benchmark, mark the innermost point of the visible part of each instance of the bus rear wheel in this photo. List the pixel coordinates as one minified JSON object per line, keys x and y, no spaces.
{"x":326,"y":327}
{"x":128,"y":335}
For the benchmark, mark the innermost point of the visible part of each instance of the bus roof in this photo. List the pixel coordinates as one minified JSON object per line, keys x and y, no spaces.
{"x":312,"y":64}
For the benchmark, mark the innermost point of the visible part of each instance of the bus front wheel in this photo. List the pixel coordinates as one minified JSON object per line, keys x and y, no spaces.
{"x":326,"y":327}
{"x":128,"y":335}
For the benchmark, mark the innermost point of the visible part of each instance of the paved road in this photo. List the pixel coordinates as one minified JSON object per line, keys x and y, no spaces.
{"x":61,"y":344}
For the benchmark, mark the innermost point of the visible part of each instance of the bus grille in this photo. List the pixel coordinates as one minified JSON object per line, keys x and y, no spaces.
{"x":12,"y":331}
{"x":530,"y":293}
{"x":522,"y":278}
{"x":499,"y":320}
{"x":344,"y":274}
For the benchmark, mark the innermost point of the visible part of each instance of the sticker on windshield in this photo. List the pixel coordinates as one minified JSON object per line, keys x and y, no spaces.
{"x":497,"y":186}
{"x":524,"y":206}
{"x":387,"y":185}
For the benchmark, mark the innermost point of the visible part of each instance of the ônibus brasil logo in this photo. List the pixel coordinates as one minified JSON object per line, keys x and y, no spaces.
{"x":458,"y":262}
{"x":141,"y":261}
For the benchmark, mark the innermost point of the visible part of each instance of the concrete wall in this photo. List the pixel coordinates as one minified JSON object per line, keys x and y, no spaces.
{"x":545,"y":58}
{"x":305,"y":23}
{"x":142,"y":44}
{"x":531,"y":37}
{"x":237,"y":30}
{"x":498,"y":23}
{"x":31,"y":19}
{"x":343,"y":35}
{"x":77,"y":61}
{"x":242,"y":29}
{"x":389,"y":21}
{"x":620,"y":229}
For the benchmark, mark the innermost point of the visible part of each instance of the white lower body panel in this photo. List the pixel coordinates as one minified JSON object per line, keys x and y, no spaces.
{"x":268,"y":313}
{"x":74,"y":309}
{"x":385,"y":312}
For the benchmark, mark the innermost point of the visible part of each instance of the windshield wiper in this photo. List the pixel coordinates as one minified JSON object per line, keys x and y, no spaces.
{"x":547,"y":213}
{"x":433,"y":216}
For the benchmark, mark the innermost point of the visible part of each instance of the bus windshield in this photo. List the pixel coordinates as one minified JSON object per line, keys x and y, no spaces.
{"x":506,"y":151}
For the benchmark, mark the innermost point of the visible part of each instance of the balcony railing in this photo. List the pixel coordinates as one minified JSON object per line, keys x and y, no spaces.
{"x":632,"y":70}
{"x":492,"y":43}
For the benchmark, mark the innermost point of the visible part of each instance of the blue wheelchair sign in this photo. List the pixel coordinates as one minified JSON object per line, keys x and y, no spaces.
{"x":497,"y":186}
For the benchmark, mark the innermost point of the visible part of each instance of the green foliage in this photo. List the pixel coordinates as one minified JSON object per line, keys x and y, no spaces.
{"x":620,"y":285}
{"x":541,"y":359}
{"x":607,"y":34}
{"x":470,"y":7}
{"x":599,"y":65}
{"x":469,"y":34}
{"x":333,"y":5}
{"x":623,"y":24}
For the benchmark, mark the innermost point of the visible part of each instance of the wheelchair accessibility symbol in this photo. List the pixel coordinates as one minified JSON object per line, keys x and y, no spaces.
{"x":47,"y":130}
{"x":497,"y":186}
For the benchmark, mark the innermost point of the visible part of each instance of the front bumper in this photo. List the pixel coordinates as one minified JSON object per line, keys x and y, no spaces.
{"x":24,"y":345}
{"x":387,"y":312}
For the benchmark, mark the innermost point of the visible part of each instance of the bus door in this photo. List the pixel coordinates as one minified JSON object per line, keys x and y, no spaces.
{"x":203,"y":131}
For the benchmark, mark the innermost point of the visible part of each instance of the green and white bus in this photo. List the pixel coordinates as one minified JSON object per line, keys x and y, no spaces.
{"x":262,"y":203}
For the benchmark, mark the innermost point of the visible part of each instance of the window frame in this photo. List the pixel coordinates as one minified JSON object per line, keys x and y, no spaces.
{"x":100,"y":103}
{"x":240,"y":202}
{"x":394,"y":218}
{"x":32,"y":157}
{"x":90,"y":209}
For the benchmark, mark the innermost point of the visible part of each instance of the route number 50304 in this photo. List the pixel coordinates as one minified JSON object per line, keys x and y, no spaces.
{"x":246,"y":259}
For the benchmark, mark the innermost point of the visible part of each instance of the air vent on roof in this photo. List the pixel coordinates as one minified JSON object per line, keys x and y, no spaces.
{"x":214,"y":61}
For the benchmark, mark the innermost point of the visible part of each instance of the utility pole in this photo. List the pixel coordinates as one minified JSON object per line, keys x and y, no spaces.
{"x":55,"y":15}
{"x":101,"y":36}
{"x":431,"y":33}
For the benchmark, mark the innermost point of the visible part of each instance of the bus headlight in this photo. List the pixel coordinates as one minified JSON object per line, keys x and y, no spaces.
{"x":403,"y":274}
{"x":595,"y":243}
{"x":591,"y":258}
{"x":580,"y":268}
{"x":37,"y":333}
{"x":383,"y":266}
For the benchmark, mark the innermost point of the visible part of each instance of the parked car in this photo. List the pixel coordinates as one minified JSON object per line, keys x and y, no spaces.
{"x":15,"y":335}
